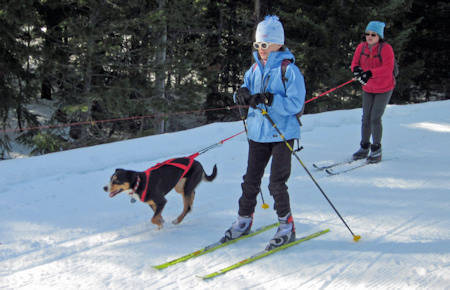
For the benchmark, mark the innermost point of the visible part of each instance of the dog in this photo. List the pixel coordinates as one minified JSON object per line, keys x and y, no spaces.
{"x":150,"y":186}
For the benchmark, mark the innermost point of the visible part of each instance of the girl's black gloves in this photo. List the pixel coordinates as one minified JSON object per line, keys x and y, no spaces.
{"x":244,"y":98}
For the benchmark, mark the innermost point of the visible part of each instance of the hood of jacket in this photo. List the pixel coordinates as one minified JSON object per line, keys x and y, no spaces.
{"x":275,"y":59}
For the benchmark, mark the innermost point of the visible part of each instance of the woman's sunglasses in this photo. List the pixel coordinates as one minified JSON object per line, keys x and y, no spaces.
{"x":262,"y":44}
{"x":371,"y":34}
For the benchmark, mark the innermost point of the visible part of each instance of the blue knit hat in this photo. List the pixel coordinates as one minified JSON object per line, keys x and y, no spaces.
{"x":376,"y":26}
{"x":270,"y":30}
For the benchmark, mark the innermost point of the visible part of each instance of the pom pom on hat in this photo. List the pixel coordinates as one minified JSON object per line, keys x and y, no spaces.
{"x":270,"y":30}
{"x":376,"y":26}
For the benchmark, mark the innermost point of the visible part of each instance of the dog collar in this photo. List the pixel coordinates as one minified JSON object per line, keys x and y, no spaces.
{"x":136,"y":186}
{"x":133,"y":200}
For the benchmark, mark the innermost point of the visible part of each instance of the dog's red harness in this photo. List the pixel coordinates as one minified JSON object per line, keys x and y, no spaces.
{"x":168,"y":162}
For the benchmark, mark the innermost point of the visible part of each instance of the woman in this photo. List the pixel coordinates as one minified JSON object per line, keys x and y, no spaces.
{"x":373,"y":66}
{"x":265,"y":88}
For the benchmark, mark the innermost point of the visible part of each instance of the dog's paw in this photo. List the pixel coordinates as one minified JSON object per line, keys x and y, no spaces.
{"x":160,"y":226}
{"x":176,"y":221}
{"x":158,"y":221}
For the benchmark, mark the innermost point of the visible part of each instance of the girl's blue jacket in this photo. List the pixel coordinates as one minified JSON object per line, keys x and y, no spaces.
{"x":288,"y":99}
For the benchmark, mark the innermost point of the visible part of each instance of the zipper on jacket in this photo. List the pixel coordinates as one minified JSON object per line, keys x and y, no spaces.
{"x":266,"y":84}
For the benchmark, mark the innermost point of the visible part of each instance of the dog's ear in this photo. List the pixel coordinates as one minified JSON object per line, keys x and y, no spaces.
{"x":120,"y":171}
{"x":123,"y":174}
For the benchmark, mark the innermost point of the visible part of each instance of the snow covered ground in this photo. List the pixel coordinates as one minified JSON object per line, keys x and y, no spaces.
{"x":60,"y":230}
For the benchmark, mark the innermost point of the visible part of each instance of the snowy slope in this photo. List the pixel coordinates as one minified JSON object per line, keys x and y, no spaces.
{"x":60,"y":230}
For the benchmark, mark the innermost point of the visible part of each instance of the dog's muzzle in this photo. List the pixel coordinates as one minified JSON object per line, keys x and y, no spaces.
{"x":113,"y":193}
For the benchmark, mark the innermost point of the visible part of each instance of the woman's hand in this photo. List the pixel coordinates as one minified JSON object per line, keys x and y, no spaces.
{"x":365,"y":76}
{"x":357,"y":71}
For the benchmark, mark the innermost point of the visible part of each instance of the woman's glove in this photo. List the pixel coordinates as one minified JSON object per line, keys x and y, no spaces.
{"x":365,"y":76}
{"x":357,"y":71}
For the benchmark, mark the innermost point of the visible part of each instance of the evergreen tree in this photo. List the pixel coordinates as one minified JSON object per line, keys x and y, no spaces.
{"x":100,"y":60}
{"x":228,"y":46}
{"x":18,"y":54}
{"x":425,"y":51}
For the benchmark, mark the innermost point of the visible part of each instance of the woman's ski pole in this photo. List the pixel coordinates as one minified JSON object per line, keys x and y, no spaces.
{"x":265,"y":114}
{"x":329,"y":91}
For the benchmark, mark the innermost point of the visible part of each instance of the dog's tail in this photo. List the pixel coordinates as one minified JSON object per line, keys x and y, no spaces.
{"x":212,"y":176}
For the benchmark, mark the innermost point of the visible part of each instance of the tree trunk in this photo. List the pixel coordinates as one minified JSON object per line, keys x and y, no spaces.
{"x":257,"y":10}
{"x":160,"y":76}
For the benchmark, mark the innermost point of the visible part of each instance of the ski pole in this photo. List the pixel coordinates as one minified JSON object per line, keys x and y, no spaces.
{"x":264,"y":205}
{"x":265,"y":114}
{"x":242,"y":117}
{"x":329,"y":91}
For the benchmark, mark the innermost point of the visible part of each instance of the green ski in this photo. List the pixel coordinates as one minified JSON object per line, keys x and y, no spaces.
{"x":213,"y":247}
{"x":263,"y":254}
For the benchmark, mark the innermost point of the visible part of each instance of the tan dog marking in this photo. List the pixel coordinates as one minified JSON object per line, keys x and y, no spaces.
{"x":158,"y":219}
{"x":187,"y":202}
{"x":179,"y":187}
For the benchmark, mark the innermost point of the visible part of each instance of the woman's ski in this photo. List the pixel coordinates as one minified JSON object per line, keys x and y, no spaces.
{"x":361,"y":163}
{"x":263,"y":254}
{"x":333,"y":171}
{"x":339,"y":163}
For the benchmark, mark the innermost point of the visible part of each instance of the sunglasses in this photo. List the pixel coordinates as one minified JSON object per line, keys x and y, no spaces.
{"x":262,"y":45}
{"x":371,"y":34}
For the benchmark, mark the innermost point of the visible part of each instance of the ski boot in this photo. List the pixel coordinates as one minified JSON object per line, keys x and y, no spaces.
{"x":239,"y":228}
{"x":285,"y":233}
{"x":363,"y":151}
{"x":375,"y":153}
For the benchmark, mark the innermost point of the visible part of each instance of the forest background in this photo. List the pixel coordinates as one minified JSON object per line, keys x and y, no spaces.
{"x":114,"y":69}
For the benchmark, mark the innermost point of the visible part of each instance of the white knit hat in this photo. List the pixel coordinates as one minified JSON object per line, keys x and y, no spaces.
{"x":270,"y":30}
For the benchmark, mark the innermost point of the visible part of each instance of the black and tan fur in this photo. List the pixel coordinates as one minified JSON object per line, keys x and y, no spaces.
{"x":161,"y":181}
